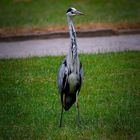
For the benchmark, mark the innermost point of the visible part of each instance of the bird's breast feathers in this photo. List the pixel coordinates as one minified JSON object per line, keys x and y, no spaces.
{"x":73,"y":80}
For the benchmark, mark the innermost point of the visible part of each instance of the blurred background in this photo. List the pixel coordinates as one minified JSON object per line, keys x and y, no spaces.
{"x":49,"y":15}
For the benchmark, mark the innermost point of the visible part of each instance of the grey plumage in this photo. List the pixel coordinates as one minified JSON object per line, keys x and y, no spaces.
{"x":70,"y":73}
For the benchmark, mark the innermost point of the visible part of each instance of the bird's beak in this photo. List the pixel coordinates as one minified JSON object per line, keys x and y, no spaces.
{"x":79,"y":13}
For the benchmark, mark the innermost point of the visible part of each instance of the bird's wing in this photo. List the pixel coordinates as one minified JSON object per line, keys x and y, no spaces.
{"x":62,"y":76}
{"x":81,"y":74}
{"x":81,"y":70}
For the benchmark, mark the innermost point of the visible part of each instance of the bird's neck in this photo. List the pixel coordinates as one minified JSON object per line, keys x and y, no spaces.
{"x":72,"y":37}
{"x":71,"y":28}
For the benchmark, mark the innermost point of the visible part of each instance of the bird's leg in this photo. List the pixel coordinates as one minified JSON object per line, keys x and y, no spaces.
{"x":61,"y":116}
{"x":62,"y":96}
{"x":78,"y":112}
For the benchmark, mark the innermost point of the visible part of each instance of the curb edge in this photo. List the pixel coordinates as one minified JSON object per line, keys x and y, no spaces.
{"x":63,"y":34}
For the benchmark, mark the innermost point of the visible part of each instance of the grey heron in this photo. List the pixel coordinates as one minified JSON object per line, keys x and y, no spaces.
{"x":70,"y":73}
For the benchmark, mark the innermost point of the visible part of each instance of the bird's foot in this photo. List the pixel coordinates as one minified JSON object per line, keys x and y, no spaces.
{"x":78,"y":123}
{"x":60,"y":125}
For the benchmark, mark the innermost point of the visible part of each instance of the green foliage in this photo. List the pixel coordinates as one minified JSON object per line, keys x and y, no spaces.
{"x":28,"y":13}
{"x":109,"y":99}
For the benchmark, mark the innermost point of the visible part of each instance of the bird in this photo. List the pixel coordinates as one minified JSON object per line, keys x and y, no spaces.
{"x":70,"y":73}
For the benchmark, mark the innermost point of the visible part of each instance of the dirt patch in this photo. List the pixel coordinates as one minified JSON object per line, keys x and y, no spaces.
{"x":25,"y":30}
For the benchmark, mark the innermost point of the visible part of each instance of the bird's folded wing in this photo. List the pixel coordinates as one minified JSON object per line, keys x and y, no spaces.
{"x":62,"y":76}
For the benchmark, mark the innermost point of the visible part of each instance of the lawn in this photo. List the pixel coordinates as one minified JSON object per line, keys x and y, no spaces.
{"x":109,"y":99}
{"x":40,"y":13}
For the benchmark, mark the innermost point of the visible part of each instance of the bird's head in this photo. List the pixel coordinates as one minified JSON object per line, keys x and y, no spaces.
{"x":73,"y":12}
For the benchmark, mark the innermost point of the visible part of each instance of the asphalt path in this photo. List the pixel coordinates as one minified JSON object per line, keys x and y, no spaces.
{"x":55,"y":47}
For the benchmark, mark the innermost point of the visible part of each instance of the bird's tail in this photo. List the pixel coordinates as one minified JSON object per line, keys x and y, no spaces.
{"x":69,"y":101}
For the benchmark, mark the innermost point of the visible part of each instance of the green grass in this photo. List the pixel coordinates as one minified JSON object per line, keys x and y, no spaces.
{"x":30,"y":13}
{"x":109,"y":99}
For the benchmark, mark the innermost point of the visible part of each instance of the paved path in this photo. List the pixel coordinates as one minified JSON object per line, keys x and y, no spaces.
{"x":60,"y":46}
